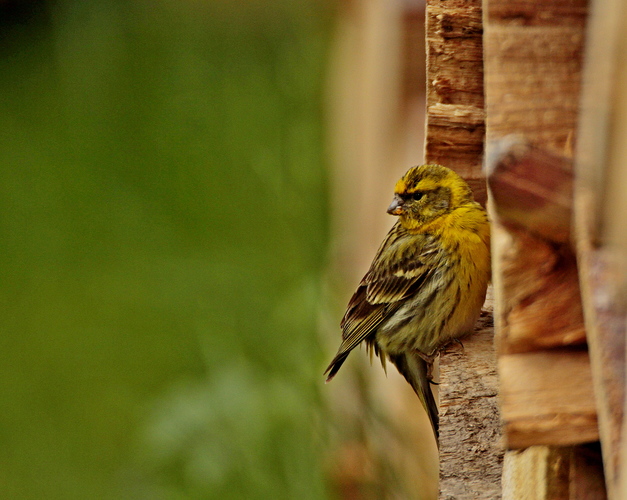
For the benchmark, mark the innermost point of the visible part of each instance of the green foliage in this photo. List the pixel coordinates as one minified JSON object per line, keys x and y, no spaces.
{"x":163,"y":221}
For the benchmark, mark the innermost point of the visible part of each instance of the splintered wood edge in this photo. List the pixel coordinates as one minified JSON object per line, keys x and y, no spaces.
{"x":547,"y":398}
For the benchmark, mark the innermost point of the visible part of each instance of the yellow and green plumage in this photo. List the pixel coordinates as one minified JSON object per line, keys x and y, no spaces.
{"x":427,"y":282}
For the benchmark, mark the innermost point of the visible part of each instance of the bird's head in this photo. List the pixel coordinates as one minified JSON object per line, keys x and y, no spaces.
{"x":427,"y":192}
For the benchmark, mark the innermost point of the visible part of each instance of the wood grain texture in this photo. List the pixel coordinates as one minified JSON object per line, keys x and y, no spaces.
{"x":602,"y":280}
{"x":455,"y":119}
{"x":533,"y":54}
{"x":600,"y":205}
{"x":547,"y":398}
{"x":554,"y":473}
{"x":531,"y":188}
{"x":539,"y":306}
{"x":533,"y":66}
{"x":535,"y":270}
{"x":471,"y":451}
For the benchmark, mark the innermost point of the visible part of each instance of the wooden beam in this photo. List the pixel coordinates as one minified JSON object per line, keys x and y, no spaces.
{"x":550,"y":473}
{"x":600,"y":206}
{"x":547,"y":398}
{"x":603,"y":280}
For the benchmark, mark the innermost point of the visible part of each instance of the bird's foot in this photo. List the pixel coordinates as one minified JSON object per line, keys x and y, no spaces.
{"x":429,"y":359}
{"x":457,"y":341}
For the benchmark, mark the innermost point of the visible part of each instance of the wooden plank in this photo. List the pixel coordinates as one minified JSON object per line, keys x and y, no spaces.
{"x":543,"y":105}
{"x":554,"y":473}
{"x":533,"y":54}
{"x":531,"y":188}
{"x":547,"y":398}
{"x":600,"y":205}
{"x":603,"y":279}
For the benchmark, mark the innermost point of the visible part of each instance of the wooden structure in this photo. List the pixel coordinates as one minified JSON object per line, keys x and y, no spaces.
{"x":554,"y":161}
{"x":527,"y":99}
{"x":455,"y":115}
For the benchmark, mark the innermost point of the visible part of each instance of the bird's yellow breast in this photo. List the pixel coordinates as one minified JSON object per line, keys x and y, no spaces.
{"x":465,"y":233}
{"x":458,"y":285}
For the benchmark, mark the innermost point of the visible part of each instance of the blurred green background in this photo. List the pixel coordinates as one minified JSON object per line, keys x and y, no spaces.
{"x":163,"y":222}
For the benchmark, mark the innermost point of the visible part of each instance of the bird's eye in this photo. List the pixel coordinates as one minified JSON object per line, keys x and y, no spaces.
{"x":416,"y":196}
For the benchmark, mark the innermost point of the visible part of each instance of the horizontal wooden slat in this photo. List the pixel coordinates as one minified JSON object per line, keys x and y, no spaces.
{"x":547,"y":398}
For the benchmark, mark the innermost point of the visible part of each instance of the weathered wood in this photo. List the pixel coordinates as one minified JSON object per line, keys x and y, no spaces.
{"x":600,"y":205}
{"x":554,"y":473}
{"x":526,"y":473}
{"x":531,"y":188}
{"x":533,"y":54}
{"x":455,"y":119}
{"x":539,"y":305}
{"x":602,"y":281}
{"x":470,"y":434}
{"x":535,"y":270}
{"x":547,"y":398}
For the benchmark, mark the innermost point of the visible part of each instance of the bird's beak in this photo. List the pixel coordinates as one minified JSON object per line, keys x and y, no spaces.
{"x":396,"y":207}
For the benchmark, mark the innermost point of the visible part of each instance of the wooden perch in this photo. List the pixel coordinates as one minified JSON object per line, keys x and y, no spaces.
{"x":471,"y":451}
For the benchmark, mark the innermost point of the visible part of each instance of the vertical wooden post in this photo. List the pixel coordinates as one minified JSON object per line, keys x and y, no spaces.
{"x":455,"y":117}
{"x":600,"y":206}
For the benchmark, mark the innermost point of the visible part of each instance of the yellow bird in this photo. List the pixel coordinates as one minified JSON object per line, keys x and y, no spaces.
{"x":427,"y":282}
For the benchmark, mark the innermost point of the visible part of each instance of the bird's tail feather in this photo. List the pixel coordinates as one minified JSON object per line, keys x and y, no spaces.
{"x":414,"y":369}
{"x":335,"y":365}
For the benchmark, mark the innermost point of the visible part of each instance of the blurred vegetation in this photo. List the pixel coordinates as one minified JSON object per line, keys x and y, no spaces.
{"x":163,"y":221}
